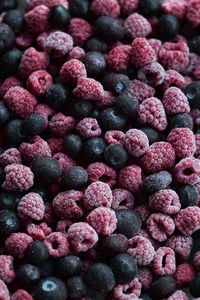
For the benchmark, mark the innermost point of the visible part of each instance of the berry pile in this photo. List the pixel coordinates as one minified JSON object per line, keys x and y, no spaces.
{"x":99,"y":149}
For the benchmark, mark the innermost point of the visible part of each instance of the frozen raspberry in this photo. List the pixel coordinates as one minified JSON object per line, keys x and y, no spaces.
{"x":175,"y":101}
{"x":88,"y":127}
{"x":30,"y":4}
{"x":17,"y":243}
{"x":20,"y":101}
{"x":65,"y":161}
{"x":130,"y":178}
{"x":44,"y":110}
{"x":194,"y":62}
{"x":187,"y":171}
{"x":58,"y":43}
{"x":160,"y":226}
{"x":193,"y":12}
{"x":31,"y":61}
{"x":97,"y":194}
{"x":181,"y":245}
{"x":142,"y":53}
{"x":101,"y":172}
{"x":164,"y":261}
{"x":145,"y":277}
{"x":10,"y":156}
{"x":187,"y":220}
{"x":136,"y":142}
{"x":88,"y":89}
{"x":38,"y":232}
{"x":7,"y":273}
{"x":63,"y":225}
{"x":127,"y":291}
{"x":25,"y":39}
{"x":160,"y":156}
{"x":177,"y":9}
{"x":197,"y":261}
{"x":188,"y":80}
{"x":19,"y":178}
{"x":115,"y":137}
{"x":143,"y":211}
{"x":174,"y":56}
{"x":106,"y":100}
{"x":122,"y":199}
{"x":109,"y":8}
{"x":103,"y":220}
{"x":76,"y":53}
{"x":151,"y":111}
{"x":82,"y":236}
{"x":183,"y":142}
{"x":152,"y":74}
{"x":60,"y":124}
{"x":119,"y":58}
{"x":4,"y":292}
{"x":9,"y":83}
{"x":39,"y":82}
{"x":156,"y":45}
{"x":65,"y":204}
{"x":165,"y":201}
{"x":41,"y":39}
{"x":80,"y":30}
{"x":173,"y":78}
{"x":57,"y":244}
{"x":140,"y":90}
{"x":137,"y":26}
{"x":21,"y":295}
{"x":184,"y":274}
{"x":178,"y":295}
{"x":128,"y":7}
{"x":55,"y":144}
{"x":37,"y":19}
{"x":71,"y":71}
{"x":31,"y":206}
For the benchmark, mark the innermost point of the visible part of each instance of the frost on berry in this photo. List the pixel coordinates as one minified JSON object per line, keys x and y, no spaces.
{"x":21,"y":294}
{"x":10,"y":156}
{"x":30,"y":4}
{"x":65,"y":161}
{"x":127,"y":291}
{"x":130,"y":178}
{"x":160,"y":226}
{"x":142,"y":52}
{"x":194,"y":62}
{"x":115,"y":137}
{"x":88,"y":127}
{"x":177,"y":9}
{"x":136,"y":142}
{"x":197,"y":261}
{"x":76,"y":53}
{"x":37,"y":19}
{"x":128,"y":7}
{"x":178,"y":295}
{"x":119,"y":58}
{"x":152,"y":74}
{"x":71,"y":71}
{"x":80,"y":30}
{"x":109,"y":8}
{"x":88,"y":89}
{"x":58,"y":43}
{"x":39,"y":82}
{"x":145,"y":277}
{"x":173,"y":78}
{"x":55,"y":144}
{"x":143,"y":211}
{"x":61,"y":124}
{"x":181,"y":245}
{"x":101,"y":172}
{"x":9,"y":83}
{"x":4,"y":292}
{"x":175,"y":101}
{"x":31,"y":206}
{"x":38,"y":232}
{"x":122,"y":199}
{"x":7,"y":272}
{"x":187,"y":220}
{"x":17,"y":243}
{"x":140,"y":90}
{"x":184,"y":274}
{"x":57,"y":244}
{"x":164,"y":261}
{"x":187,"y":171}
{"x":193,"y":12}
{"x":137,"y":26}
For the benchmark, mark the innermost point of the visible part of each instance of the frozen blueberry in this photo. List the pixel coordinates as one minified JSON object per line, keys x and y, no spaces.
{"x":156,"y":182}
{"x":95,"y":44}
{"x":50,"y":288}
{"x":4,"y":114}
{"x":150,"y":7}
{"x":72,"y":145}
{"x":2,"y":175}
{"x":57,"y":96}
{"x":179,"y":121}
{"x":15,"y":19}
{"x":81,"y":109}
{"x":162,"y":287}
{"x":10,"y":61}
{"x":9,"y":222}
{"x":28,"y":275}
{"x":152,"y":134}
{"x":46,"y":169}
{"x":76,"y":287}
{"x":69,"y":265}
{"x":194,"y":287}
{"x":9,"y":200}
{"x":7,"y":5}
{"x":192,"y":92}
{"x":127,"y":104}
{"x":93,"y":149}
{"x":7,"y":38}
{"x":128,"y":222}
{"x":194,"y":44}
{"x":13,"y":132}
{"x":168,"y":26}
{"x":115,"y":244}
{"x":59,"y":16}
{"x":47,"y":268}
{"x":118,"y":83}
{"x":37,"y":253}
{"x":116,"y":156}
{"x":108,"y":29}
{"x":79,"y":8}
{"x":33,"y":125}
{"x":188,"y":195}
{"x":75,"y":178}
{"x":42,"y":191}
{"x":95,"y":63}
{"x":112,"y":119}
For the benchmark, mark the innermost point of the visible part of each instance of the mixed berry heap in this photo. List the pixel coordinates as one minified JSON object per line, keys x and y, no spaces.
{"x":99,"y":149}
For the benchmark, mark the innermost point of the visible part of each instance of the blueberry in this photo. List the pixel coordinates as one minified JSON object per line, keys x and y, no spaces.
{"x":95,"y":63}
{"x":15,"y":19}
{"x":79,"y":8}
{"x":33,"y":125}
{"x":10,"y":61}
{"x":93,"y":149}
{"x":194,"y":287}
{"x":128,"y":222}
{"x":162,"y":287}
{"x":157,"y":181}
{"x":152,"y":134}
{"x":59,"y":16}
{"x":57,"y":96}
{"x":9,"y":200}
{"x":37,"y":253}
{"x":72,"y":145}
{"x":112,"y":119}
{"x":2,"y":175}
{"x":194,"y":44}
{"x":168,"y":26}
{"x":69,"y":265}
{"x":179,"y":121}
{"x":115,"y":244}
{"x":28,"y":275}
{"x":9,"y":222}
{"x":7,"y":5}
{"x":47,"y":268}
{"x":13,"y":132}
{"x":127,"y":104}
{"x":116,"y":156}
{"x":46,"y":169}
{"x":118,"y":83}
{"x":4,"y":114}
{"x":150,"y":7}
{"x":81,"y":109}
{"x":188,"y":195}
{"x":192,"y":92}
{"x":76,"y":287}
{"x":50,"y":288}
{"x":42,"y":191}
{"x":75,"y":178}
{"x":95,"y":44}
{"x":7,"y":38}
{"x":108,"y":29}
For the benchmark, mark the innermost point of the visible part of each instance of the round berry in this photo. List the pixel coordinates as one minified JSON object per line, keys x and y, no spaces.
{"x":76,"y":287}
{"x":179,"y":121}
{"x":150,"y":7}
{"x":152,"y":134}
{"x":7,"y":5}
{"x":47,"y":268}
{"x":7,"y":38}
{"x":115,"y":244}
{"x":33,"y":125}
{"x":192,"y":92}
{"x":28,"y":275}
{"x":108,"y":29}
{"x":37,"y":253}
{"x":168,"y":27}
{"x":95,"y":63}
{"x":118,"y":83}
{"x":9,"y":200}
{"x":156,"y":182}
{"x":47,"y":169}
{"x":69,"y":265}
{"x":94,"y":149}
{"x":127,"y":104}
{"x":162,"y":287}
{"x":194,"y":287}
{"x":81,"y":109}
{"x":4,"y":114}
{"x":57,"y":96}
{"x":112,"y":119}
{"x":188,"y":195}
{"x":116,"y":156}
{"x":9,"y":222}
{"x":75,"y":178}
{"x":50,"y":288}
{"x":72,"y":145}
{"x":79,"y":8}
{"x":10,"y":61}
{"x":15,"y":19}
{"x":95,"y":44}
{"x":59,"y":16}
{"x":128,"y":222}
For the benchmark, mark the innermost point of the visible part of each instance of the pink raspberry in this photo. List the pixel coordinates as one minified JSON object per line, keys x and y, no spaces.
{"x":174,"y":56}
{"x":106,"y":100}
{"x":193,"y":12}
{"x":9,"y":83}
{"x":65,"y":204}
{"x":119,"y":58}
{"x":145,"y":277}
{"x":37,"y":19}
{"x":109,"y":8}
{"x":20,"y":101}
{"x":10,"y":156}
{"x":173,"y":78}
{"x":57,"y":244}
{"x":122,"y":199}
{"x":184,"y":274}
{"x":103,"y":220}
{"x":88,"y":89}
{"x":80,"y":30}
{"x":44,"y":110}
{"x":7,"y":273}
{"x":142,"y":52}
{"x":17,"y":243}
{"x":82,"y":236}
{"x":143,"y":211}
{"x":137,"y":26}
{"x":127,"y":291}
{"x":160,"y":226}
{"x":25,"y":39}
{"x":97,"y":194}
{"x":141,"y":249}
{"x":187,"y":171}
{"x":38,"y":232}
{"x":165,"y":201}
{"x":194,"y":62}
{"x":60,"y":125}
{"x":160,"y":156}
{"x":115,"y":137}
{"x":151,"y":111}
{"x":31,"y":206}
{"x":4,"y":292}
{"x":58,"y":43}
{"x":164,"y":261}
{"x":187,"y":220}
{"x":183,"y":142}
{"x":30,"y":4}
{"x":76,"y":53}
{"x":181,"y":245}
{"x":55,"y":144}
{"x":88,"y":127}
{"x":197,"y":261}
{"x":39,"y":82}
{"x":128,"y":7}
{"x":175,"y":101}
{"x":136,"y":142}
{"x":152,"y":74}
{"x":101,"y":172}
{"x":21,"y":294}
{"x":65,"y":161}
{"x":19,"y":178}
{"x":140,"y":90}
{"x":63,"y":225}
{"x":71,"y":71}
{"x":130,"y":178}
{"x":178,"y":9}
{"x":178,"y":295}
{"x":33,"y":60}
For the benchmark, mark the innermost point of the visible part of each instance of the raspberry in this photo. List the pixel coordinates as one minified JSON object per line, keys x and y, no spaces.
{"x":31,"y":206}
{"x":115,"y":137}
{"x":187,"y":171}
{"x":65,"y":204}
{"x":101,"y":172}
{"x":142,"y":52}
{"x":106,"y":100}
{"x":137,"y":26}
{"x":7,"y":273}
{"x":119,"y":58}
{"x":160,"y":226}
{"x":21,"y":294}
{"x":24,"y":40}
{"x":109,"y":8}
{"x":31,"y":61}
{"x":63,"y":225}
{"x":181,"y":245}
{"x":156,"y":45}
{"x":88,"y":89}
{"x":184,"y":274}
{"x":173,"y":78}
{"x":183,"y":142}
{"x":178,"y":9}
{"x":44,"y":110}
{"x":130,"y":178}
{"x":151,"y":111}
{"x":82,"y":236}
{"x":19,"y":178}
{"x":187,"y":220}
{"x":141,"y":249}
{"x":57,"y":244}
{"x":164,"y":261}
{"x":175,"y":101}
{"x":65,"y":161}
{"x":20,"y":101}
{"x":88,"y":127}
{"x":160,"y":156}
{"x":76,"y":53}
{"x":197,"y":261}
{"x":193,"y":12}
{"x":58,"y":43}
{"x":122,"y":196}
{"x":17,"y":243}
{"x":140,"y":90}
{"x":97,"y":194}
{"x":188,"y":80}
{"x":71,"y":71}
{"x":61,"y":125}
{"x":30,"y":4}
{"x":178,"y":295}
{"x":38,"y":232}
{"x":4,"y":293}
{"x":10,"y":156}
{"x":9,"y":83}
{"x":194,"y":62}
{"x":127,"y":291}
{"x":174,"y":56}
{"x":37,"y":19}
{"x":39,"y":82}
{"x":152,"y":74}
{"x":103,"y":220}
{"x":143,"y":212}
{"x":136,"y":142}
{"x":145,"y":277}
{"x":128,"y":7}
{"x":55,"y":144}
{"x":80,"y":30}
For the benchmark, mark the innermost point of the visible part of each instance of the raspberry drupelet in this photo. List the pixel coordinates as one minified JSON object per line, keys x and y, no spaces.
{"x":76,"y":53}
{"x":193,"y":13}
{"x":127,"y":291}
{"x":7,"y":273}
{"x":115,"y":137}
{"x":71,"y":71}
{"x":178,"y":10}
{"x":124,"y":196}
{"x":119,"y":58}
{"x":38,"y":232}
{"x":10,"y":156}
{"x":160,"y":226}
{"x":136,"y":142}
{"x":109,"y":8}
{"x":101,"y":172}
{"x":57,"y":244}
{"x":164,"y":261}
{"x":187,"y":220}
{"x":175,"y":101}
{"x":31,"y":206}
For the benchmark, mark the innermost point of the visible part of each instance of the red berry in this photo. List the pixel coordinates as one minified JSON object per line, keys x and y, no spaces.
{"x":152,"y":74}
{"x":38,"y":232}
{"x":143,"y":212}
{"x":88,"y":127}
{"x":58,"y":43}
{"x":140,"y":90}
{"x":130,"y":178}
{"x":101,"y":172}
{"x":175,"y":101}
{"x":4,"y":292}
{"x":127,"y":291}
{"x":187,"y":220}
{"x":30,"y":4}
{"x":37,"y":19}
{"x":109,"y":8}
{"x":173,"y":78}
{"x":21,"y":294}
{"x":181,"y":245}
{"x":142,"y":52}
{"x":31,"y":206}
{"x":128,"y":7}
{"x":184,"y":274}
{"x":187,"y":171}
{"x":136,"y":142}
{"x":65,"y":161}
{"x":122,"y":196}
{"x":55,"y":144}
{"x":145,"y":277}
{"x":7,"y":272}
{"x":71,"y":71}
{"x":164,"y":262}
{"x":57,"y":244}
{"x":115,"y":137}
{"x":10,"y":156}
{"x":177,"y":9}
{"x":9,"y":83}
{"x":61,"y":124}
{"x":137,"y":26}
{"x":39,"y":82}
{"x":80,"y":30}
{"x":119,"y":58}
{"x":88,"y":89}
{"x":194,"y":62}
{"x":156,"y":45}
{"x":193,"y":12}
{"x":160,"y":226}
{"x":17,"y":243}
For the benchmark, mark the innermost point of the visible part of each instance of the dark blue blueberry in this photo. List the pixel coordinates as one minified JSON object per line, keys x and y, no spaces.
{"x":179,"y":121}
{"x":188,"y":195}
{"x":72,"y":145}
{"x":47,"y":268}
{"x":162,"y":287}
{"x":59,"y":16}
{"x":13,"y":133}
{"x":75,"y":178}
{"x":156,"y":182}
{"x":9,"y":200}
{"x":192,"y":92}
{"x":94,"y":149}
{"x":37,"y":253}
{"x":108,"y":29}
{"x":7,"y":38}
{"x":115,"y":244}
{"x":10,"y":61}
{"x":81,"y":109}
{"x":46,"y":169}
{"x":95,"y":63}
{"x":69,"y":265}
{"x":152,"y":134}
{"x":168,"y":27}
{"x":128,"y":222}
{"x":33,"y":125}
{"x":116,"y":156}
{"x":9,"y":222}
{"x":57,"y":96}
{"x":50,"y":288}
{"x":79,"y":8}
{"x":15,"y":19}
{"x":117,"y":83}
{"x":76,"y":287}
{"x":112,"y":119}
{"x":28,"y":275}
{"x":127,"y":104}
{"x":95,"y":44}
{"x":194,"y":44}
{"x":7,"y":5}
